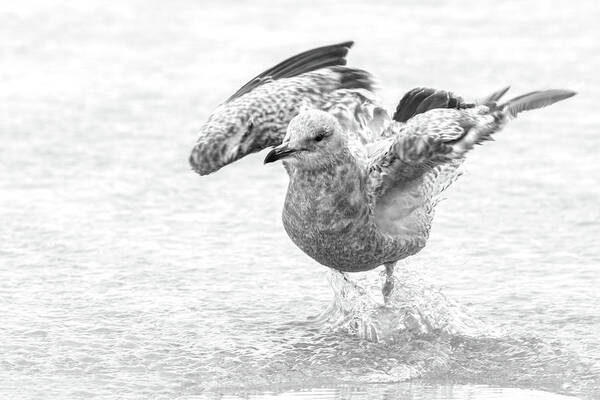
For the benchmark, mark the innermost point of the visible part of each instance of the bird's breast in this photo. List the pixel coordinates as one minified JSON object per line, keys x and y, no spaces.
{"x":328,"y":217}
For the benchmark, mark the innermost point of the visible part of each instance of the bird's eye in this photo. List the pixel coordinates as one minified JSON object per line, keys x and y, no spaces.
{"x":320,"y":136}
{"x":250,"y":126}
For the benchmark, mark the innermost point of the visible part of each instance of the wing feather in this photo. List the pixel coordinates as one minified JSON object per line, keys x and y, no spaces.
{"x":421,"y":157}
{"x":420,"y":100}
{"x":418,"y":162}
{"x":257,"y":115}
{"x":310,"y":60}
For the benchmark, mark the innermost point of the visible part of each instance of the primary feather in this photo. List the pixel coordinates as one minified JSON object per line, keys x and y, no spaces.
{"x":534,"y":100}
{"x":299,"y":64}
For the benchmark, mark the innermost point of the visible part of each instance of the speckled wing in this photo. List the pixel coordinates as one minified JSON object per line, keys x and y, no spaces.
{"x":424,"y":125}
{"x":419,"y":158}
{"x":257,"y":115}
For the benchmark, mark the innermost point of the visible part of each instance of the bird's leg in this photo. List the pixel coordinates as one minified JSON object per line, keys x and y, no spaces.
{"x":351,"y":283}
{"x":388,"y":286}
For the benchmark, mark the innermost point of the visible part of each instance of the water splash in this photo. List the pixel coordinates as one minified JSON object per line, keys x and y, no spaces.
{"x":415,"y":308}
{"x":421,"y":333}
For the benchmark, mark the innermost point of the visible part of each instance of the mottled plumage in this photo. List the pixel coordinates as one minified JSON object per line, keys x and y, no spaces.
{"x":257,"y":115}
{"x":353,"y":215}
{"x":363,"y":187}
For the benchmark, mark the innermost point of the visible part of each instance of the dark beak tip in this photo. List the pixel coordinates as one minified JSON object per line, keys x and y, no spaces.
{"x":271,"y":156}
{"x":279,"y":152}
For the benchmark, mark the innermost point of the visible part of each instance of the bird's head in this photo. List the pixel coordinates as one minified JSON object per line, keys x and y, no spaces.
{"x":313,"y":140}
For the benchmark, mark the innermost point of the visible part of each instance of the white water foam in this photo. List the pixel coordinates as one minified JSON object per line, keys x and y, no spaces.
{"x":415,"y":307}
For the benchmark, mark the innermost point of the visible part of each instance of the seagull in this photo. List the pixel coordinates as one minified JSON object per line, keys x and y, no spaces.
{"x":362,"y":186}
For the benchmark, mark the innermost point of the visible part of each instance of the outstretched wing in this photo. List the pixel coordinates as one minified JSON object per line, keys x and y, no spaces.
{"x":257,"y":115}
{"x":428,"y":130}
{"x":412,"y":168}
{"x":420,"y":158}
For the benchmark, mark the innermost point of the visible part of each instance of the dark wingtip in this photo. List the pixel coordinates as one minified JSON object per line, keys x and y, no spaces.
{"x":352,"y":78}
{"x":420,"y":100}
{"x":348,"y":44}
{"x":307,"y":61}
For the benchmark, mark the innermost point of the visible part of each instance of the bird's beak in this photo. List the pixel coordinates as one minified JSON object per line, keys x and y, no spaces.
{"x":279,"y":152}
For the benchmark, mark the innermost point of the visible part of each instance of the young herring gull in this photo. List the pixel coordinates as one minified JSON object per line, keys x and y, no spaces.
{"x":363,"y":186}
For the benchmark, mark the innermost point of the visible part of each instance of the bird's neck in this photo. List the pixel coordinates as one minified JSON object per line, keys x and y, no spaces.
{"x":326,"y":170}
